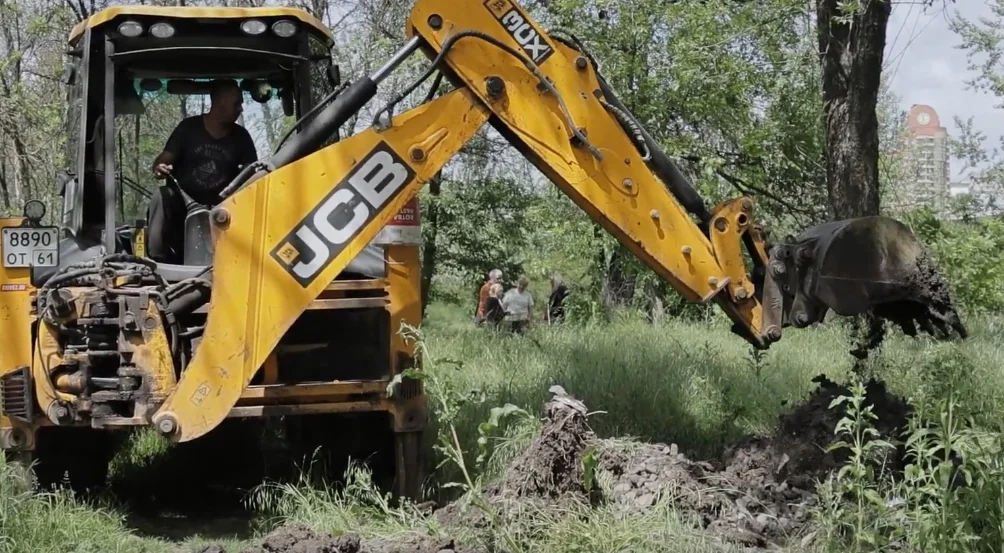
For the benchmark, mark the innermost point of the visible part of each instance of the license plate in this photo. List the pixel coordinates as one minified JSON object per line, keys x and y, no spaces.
{"x":30,"y":247}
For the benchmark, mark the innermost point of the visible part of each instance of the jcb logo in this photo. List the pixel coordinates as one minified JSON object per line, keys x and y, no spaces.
{"x":521,"y":29}
{"x":342,"y":214}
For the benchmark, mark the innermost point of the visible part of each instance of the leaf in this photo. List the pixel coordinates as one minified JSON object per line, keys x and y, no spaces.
{"x":874,"y":498}
{"x":837,"y":445}
{"x":499,"y":413}
{"x":839,"y":401}
{"x":589,"y":464}
{"x":881,"y":443}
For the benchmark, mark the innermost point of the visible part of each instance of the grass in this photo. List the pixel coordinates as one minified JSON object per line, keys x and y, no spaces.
{"x":693,"y":384}
{"x":696,"y":385}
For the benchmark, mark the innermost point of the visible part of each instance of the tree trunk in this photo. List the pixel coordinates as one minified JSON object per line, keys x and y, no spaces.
{"x":431,"y":223}
{"x":850,"y":56}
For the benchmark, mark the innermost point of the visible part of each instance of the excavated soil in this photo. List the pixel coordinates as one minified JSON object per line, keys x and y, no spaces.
{"x":929,"y":304}
{"x":298,"y":538}
{"x":758,"y":494}
{"x":762,"y":489}
{"x":551,"y":468}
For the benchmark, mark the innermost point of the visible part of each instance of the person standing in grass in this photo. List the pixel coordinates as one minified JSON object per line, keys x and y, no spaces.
{"x":494,"y":277}
{"x":518,"y":305}
{"x":556,"y":303}
{"x":494,"y":312}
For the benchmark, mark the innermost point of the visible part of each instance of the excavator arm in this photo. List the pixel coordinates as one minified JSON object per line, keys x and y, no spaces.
{"x":293,"y":224}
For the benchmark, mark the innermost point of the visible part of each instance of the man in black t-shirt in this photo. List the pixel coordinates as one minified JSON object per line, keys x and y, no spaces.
{"x":203,"y":154}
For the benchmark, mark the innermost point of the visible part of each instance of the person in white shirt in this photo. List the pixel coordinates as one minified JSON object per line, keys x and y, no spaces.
{"x":518,"y":305}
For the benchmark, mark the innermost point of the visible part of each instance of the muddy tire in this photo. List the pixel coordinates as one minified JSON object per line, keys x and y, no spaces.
{"x":71,"y":457}
{"x":325,"y":444}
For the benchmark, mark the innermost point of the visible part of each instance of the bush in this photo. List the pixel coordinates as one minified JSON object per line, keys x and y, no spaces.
{"x":949,"y":497}
{"x":968,"y":253}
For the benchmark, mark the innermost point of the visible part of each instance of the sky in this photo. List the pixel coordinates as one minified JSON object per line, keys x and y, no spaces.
{"x":926,"y":67}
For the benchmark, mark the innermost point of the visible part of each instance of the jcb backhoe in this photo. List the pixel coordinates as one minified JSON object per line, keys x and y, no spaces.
{"x":303,"y":251}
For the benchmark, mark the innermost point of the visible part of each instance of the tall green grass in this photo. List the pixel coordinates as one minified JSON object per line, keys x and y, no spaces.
{"x":693,"y":384}
{"x":690,"y":383}
{"x":49,"y":522}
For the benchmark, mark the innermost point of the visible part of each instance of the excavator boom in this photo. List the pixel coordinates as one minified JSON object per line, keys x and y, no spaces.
{"x":288,"y":229}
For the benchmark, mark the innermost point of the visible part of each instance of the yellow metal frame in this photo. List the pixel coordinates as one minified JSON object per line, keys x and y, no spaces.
{"x":15,"y":340}
{"x":187,"y":12}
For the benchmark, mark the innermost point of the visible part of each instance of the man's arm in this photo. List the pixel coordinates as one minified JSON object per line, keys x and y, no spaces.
{"x":164,"y":162}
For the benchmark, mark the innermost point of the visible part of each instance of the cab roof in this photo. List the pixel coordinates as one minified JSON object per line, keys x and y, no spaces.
{"x":189,"y":12}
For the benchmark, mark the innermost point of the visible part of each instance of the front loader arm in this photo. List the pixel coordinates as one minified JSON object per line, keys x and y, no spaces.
{"x":283,"y":238}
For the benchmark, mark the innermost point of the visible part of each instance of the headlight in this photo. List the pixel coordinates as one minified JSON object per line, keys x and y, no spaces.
{"x":162,"y":30}
{"x":253,"y":27}
{"x":130,"y":29}
{"x":284,"y":28}
{"x":34,"y":210}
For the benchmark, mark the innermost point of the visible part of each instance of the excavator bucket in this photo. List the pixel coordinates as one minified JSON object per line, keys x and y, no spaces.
{"x":866,"y":265}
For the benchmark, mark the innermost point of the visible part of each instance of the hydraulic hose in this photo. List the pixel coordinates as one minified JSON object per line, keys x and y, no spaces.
{"x":663,"y":167}
{"x":314,"y":133}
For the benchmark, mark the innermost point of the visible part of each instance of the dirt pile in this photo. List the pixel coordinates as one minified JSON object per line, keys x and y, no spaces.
{"x":761,"y":491}
{"x":298,"y":538}
{"x":552,"y":466}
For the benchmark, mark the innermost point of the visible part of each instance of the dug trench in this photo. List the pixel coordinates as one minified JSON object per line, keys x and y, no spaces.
{"x":758,"y":495}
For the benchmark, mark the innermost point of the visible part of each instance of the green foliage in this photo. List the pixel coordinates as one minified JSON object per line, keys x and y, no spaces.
{"x":482,"y":226}
{"x":856,"y":480}
{"x":968,"y":253}
{"x":33,"y":522}
{"x":693,"y":384}
{"x":950,"y":495}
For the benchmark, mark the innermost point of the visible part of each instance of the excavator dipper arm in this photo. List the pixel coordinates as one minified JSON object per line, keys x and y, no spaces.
{"x":291,"y":227}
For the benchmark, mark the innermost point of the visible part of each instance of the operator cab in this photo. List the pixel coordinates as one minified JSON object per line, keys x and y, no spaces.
{"x":134,"y":72}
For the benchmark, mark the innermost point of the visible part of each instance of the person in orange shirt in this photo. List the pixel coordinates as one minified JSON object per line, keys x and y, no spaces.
{"x":494,"y":277}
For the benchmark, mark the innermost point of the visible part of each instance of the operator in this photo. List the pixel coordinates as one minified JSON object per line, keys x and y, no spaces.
{"x":203,"y":155}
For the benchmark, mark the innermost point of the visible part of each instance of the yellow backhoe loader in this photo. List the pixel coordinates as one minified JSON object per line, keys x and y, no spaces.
{"x":294,"y":287}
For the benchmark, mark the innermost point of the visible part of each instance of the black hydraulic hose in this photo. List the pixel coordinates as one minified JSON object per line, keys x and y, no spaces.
{"x":325,"y":122}
{"x":631,"y":125}
{"x":664,"y":168}
{"x":314,"y":133}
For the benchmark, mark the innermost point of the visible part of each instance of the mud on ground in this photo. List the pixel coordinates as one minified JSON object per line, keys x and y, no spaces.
{"x":758,"y":494}
{"x":761,"y":491}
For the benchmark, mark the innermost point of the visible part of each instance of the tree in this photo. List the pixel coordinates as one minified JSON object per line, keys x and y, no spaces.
{"x":851,"y":45}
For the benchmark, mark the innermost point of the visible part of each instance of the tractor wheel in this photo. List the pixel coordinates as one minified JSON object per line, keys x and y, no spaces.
{"x":76,"y":457}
